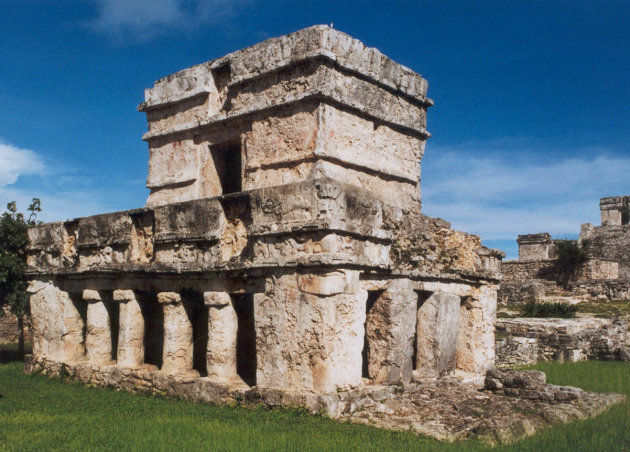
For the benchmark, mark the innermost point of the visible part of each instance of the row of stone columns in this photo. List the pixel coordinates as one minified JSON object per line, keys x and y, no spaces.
{"x":178,"y":333}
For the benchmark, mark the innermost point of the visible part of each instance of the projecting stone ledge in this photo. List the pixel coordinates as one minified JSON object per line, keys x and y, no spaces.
{"x":512,"y":406}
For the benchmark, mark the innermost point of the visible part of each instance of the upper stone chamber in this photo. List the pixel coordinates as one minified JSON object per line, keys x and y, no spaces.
{"x":315,"y":103}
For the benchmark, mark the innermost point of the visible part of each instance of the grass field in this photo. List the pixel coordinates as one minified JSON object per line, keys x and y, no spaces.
{"x":38,"y":413}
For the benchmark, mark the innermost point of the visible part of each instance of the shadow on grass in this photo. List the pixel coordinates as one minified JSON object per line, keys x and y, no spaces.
{"x":9,"y":352}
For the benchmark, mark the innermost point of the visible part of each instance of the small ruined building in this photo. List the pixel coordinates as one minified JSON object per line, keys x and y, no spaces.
{"x":535,"y":277}
{"x":282,"y":257}
{"x":282,"y":244}
{"x":605,"y":275}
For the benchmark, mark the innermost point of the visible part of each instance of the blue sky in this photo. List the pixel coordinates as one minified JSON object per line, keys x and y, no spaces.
{"x":530,"y":125}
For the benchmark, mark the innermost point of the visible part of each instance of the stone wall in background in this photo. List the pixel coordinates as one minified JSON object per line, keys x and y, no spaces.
{"x":525,"y":341}
{"x":9,"y":331}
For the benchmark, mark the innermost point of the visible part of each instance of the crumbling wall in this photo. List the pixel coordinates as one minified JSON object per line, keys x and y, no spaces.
{"x":527,"y":340}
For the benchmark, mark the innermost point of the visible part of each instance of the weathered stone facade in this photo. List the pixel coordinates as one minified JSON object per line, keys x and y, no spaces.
{"x":282,"y":256}
{"x":606,"y":274}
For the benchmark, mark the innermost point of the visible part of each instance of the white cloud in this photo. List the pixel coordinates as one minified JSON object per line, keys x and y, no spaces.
{"x":503,"y":188}
{"x":16,"y":161}
{"x":141,"y":20}
{"x":65,"y":192}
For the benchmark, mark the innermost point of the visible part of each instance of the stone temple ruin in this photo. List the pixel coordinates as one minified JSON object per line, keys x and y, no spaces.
{"x":282,"y":256}
{"x":605,"y":275}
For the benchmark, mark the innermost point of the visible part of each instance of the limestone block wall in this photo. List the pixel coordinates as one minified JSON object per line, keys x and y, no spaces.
{"x":534,"y":246}
{"x":526,"y":340}
{"x":315,"y":103}
{"x":611,"y":243}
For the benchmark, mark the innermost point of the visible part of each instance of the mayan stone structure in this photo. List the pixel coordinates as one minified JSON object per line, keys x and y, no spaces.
{"x":606,"y":274}
{"x":282,"y":245}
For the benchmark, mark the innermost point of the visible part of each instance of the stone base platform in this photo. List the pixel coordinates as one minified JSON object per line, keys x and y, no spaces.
{"x":512,"y":405}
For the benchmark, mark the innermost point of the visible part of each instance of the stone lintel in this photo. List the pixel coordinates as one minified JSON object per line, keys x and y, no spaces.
{"x":169,"y":298}
{"x":124,"y":295}
{"x":217,"y":299}
{"x":91,"y":295}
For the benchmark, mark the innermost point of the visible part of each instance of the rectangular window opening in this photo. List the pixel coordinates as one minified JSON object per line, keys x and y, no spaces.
{"x":246,"y":360}
{"x":625,"y":218}
{"x":373,"y":296}
{"x":228,"y":164}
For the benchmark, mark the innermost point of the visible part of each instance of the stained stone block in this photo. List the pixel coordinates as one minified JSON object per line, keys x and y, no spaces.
{"x":178,"y":345}
{"x":98,"y":340}
{"x":56,"y":323}
{"x":222,"y":336}
{"x":390,"y":329}
{"x":131,"y":329}
{"x":475,"y":351}
{"x":308,"y":341}
{"x":437,"y":333}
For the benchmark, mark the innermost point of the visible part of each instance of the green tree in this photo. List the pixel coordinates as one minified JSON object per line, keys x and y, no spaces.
{"x":570,"y":257}
{"x":13,"y":241}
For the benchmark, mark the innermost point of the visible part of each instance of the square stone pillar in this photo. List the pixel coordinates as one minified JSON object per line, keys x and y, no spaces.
{"x":437,"y":333}
{"x":390,"y":329}
{"x":311,"y":334}
{"x":222,"y":336}
{"x":56,"y":323}
{"x":131,"y":329}
{"x":475,"y":348}
{"x":98,"y":338}
{"x":177,"y":355}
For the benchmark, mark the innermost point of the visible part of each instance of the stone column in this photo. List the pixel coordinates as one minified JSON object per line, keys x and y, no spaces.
{"x":437,"y":335}
{"x":390,"y":329}
{"x":475,"y":348}
{"x":98,"y":339}
{"x":178,"y":345}
{"x":131,"y":329}
{"x":56,"y":323}
{"x":222,"y":333}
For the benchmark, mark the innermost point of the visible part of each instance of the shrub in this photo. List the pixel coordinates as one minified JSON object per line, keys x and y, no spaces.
{"x":549,"y":309}
{"x":570,"y":256}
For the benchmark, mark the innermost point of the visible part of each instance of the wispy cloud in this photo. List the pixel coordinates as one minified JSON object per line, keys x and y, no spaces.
{"x":142,"y":20}
{"x":500,"y":189}
{"x":15,"y":161}
{"x":65,"y":192}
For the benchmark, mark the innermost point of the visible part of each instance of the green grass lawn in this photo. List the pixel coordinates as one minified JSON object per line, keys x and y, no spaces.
{"x":38,"y":413}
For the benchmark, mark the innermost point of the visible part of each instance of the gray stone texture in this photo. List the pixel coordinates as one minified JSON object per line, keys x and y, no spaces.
{"x":438,"y":322}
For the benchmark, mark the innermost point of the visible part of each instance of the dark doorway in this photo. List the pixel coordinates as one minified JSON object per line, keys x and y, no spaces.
{"x":153,"y":328}
{"x":81,"y":307}
{"x":625,"y":217}
{"x":198,"y":316}
{"x":373,"y":296}
{"x":113,"y":310}
{"x":246,"y":361}
{"x":423,"y":296}
{"x":227,"y":161}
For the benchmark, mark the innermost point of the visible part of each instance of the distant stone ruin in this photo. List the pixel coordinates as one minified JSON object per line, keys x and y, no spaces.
{"x":282,"y":257}
{"x":605,"y":275}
